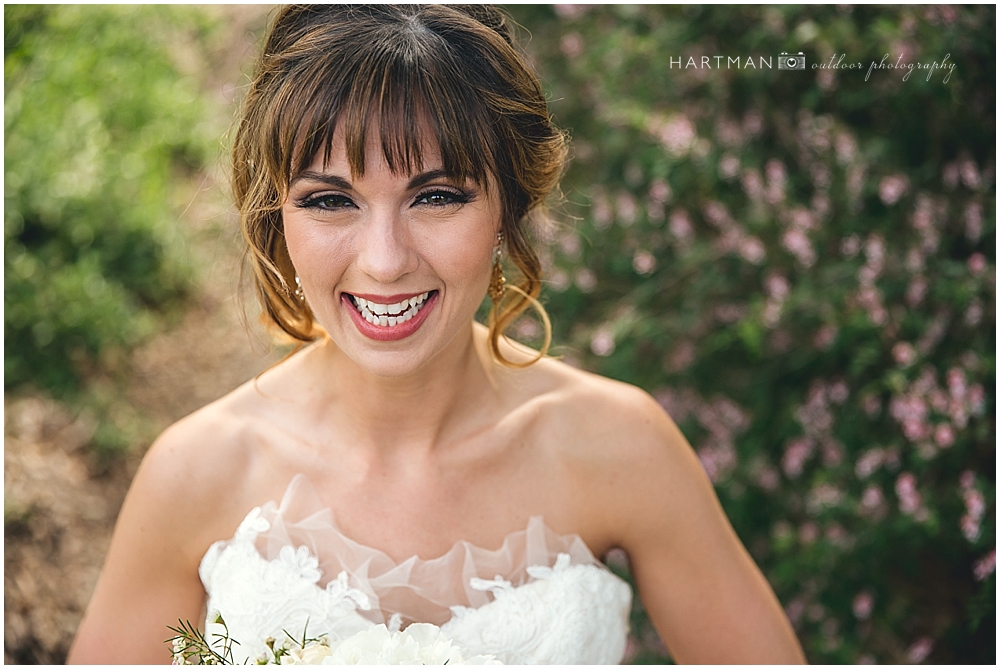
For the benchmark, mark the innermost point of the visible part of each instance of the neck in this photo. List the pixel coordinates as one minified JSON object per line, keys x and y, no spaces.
{"x":437,"y":404}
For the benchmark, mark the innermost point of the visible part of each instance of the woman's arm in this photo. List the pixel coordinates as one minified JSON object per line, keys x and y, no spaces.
{"x":150,"y":575}
{"x":702,"y":590}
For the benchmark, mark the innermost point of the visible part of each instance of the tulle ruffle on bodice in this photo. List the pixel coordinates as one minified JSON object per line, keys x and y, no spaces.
{"x":539,"y":598}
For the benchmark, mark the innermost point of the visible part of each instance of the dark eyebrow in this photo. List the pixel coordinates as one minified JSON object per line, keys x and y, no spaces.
{"x":342,"y":183}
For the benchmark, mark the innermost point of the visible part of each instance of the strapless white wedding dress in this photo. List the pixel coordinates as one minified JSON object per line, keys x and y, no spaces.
{"x":541,"y":598}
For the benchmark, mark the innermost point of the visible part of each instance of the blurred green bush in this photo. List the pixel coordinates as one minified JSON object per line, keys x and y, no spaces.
{"x":800,"y":265}
{"x":99,"y":125}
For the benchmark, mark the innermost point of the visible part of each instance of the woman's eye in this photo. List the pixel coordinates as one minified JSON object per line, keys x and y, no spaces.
{"x":327,"y":201}
{"x":440,"y":198}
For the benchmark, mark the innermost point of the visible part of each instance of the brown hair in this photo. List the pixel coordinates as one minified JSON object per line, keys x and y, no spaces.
{"x":324,"y":65}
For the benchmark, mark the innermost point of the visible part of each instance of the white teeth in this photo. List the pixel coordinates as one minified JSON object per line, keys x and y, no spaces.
{"x":390,"y":315}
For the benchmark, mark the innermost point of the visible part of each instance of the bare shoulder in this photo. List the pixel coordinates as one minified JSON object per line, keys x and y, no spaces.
{"x":198,"y":466}
{"x":621,"y":452}
{"x":606,"y":418}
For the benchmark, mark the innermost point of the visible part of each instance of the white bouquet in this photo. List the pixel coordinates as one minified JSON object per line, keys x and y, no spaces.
{"x":420,"y":643}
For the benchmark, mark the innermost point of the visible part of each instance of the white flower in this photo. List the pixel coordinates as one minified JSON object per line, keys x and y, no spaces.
{"x":420,"y":643}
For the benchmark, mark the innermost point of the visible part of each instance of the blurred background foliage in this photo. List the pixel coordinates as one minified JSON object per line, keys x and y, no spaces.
{"x":799,"y":265}
{"x":99,"y":124}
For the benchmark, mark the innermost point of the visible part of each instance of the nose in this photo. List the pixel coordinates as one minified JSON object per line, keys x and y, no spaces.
{"x":385,"y":249}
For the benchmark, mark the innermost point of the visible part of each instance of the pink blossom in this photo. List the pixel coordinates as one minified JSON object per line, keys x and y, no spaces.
{"x":681,"y":356}
{"x":944,"y":435}
{"x":862,"y":605}
{"x":904,"y":353}
{"x":644,"y":262}
{"x":775,"y":173}
{"x":585,"y":280}
{"x":958,"y":413}
{"x":938,"y":400}
{"x":571,"y":44}
{"x":970,"y":527}
{"x":752,"y":250}
{"x":871,"y":499}
{"x":625,"y":204}
{"x":603,"y":342}
{"x":838,"y":392}
{"x":974,"y":222}
{"x":875,"y":251}
{"x":777,"y":286}
{"x":985,"y":565}
{"x":871,"y":404}
{"x":916,"y":291}
{"x":967,"y":479}
{"x":820,"y":205}
{"x":753,"y":122}
{"x":677,"y":133}
{"x":970,"y":174}
{"x":795,"y":609}
{"x":869,"y":461}
{"x":772,"y":313}
{"x":893,"y":187}
{"x":845,"y":146}
{"x":977,"y":399}
{"x":957,"y":384}
{"x":808,"y":532}
{"x":717,"y":460}
{"x":602,"y":210}
{"x":659,"y":191}
{"x":976,"y":264}
{"x":915,"y":261}
{"x":716,"y":214}
{"x":906,"y":491}
{"x":975,"y":503}
{"x":796,"y":454}
{"x":825,"y":336}
{"x":680,"y":225}
{"x":570,"y":245}
{"x":850,"y":246}
{"x":571,"y":11}
{"x":729,"y":166}
{"x":949,"y":175}
{"x":767,"y":478}
{"x":753,"y":185}
{"x":798,"y":244}
{"x":730,"y":313}
{"x":823,"y":496}
{"x":974,"y":313}
{"x":833,"y":452}
{"x":920,"y":649}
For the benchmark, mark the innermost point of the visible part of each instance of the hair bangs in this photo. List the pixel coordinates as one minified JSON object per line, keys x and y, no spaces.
{"x":404,"y":92}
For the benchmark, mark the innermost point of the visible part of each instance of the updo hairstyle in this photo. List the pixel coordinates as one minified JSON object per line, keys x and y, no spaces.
{"x":391,"y":66}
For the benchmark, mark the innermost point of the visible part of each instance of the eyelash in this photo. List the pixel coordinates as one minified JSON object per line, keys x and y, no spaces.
{"x":343,"y":202}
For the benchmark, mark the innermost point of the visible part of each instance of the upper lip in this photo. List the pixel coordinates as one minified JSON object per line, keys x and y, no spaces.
{"x":387,"y":299}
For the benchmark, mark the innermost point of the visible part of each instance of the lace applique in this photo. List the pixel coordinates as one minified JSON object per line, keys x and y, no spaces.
{"x":541,"y":606}
{"x":499,"y":586}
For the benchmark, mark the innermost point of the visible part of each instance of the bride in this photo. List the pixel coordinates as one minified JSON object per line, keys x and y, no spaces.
{"x":409,"y":464}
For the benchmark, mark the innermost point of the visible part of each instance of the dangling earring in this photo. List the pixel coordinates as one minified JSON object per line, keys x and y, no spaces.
{"x":498,"y":282}
{"x":298,"y":289}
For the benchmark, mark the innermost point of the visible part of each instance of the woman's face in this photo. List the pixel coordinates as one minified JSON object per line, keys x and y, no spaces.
{"x":393,"y":266}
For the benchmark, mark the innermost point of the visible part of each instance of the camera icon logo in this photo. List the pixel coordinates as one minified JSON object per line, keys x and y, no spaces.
{"x":787,"y":61}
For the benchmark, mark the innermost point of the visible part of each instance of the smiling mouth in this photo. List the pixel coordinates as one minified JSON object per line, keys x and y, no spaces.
{"x":390,"y":315}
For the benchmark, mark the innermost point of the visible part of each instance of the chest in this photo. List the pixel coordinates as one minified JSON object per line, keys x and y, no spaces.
{"x":404,"y":505}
